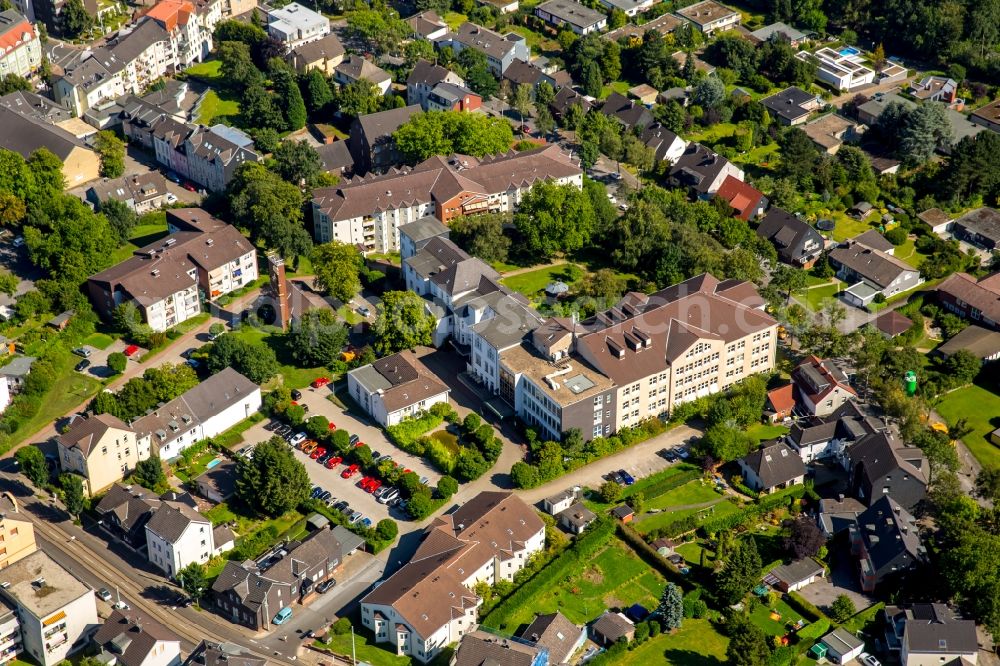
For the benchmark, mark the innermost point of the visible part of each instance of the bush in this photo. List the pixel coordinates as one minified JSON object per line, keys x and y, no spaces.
{"x":814,"y":631}
{"x":802,"y":605}
{"x":896,"y":235}
{"x":117,"y":362}
{"x":753,"y":511}
{"x":341,"y":627}
{"x":447,"y":486}
{"x":253,"y":545}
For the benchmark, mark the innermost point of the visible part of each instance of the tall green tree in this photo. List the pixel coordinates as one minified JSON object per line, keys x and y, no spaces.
{"x":111,"y":151}
{"x":270,"y":209}
{"x":671,"y":609}
{"x":446,"y":132}
{"x":194,"y":580}
{"x":75,"y":19}
{"x":740,"y":572}
{"x":73,"y":495}
{"x":274,"y":481}
{"x":238,"y":68}
{"x":482,"y":236}
{"x":747,"y":643}
{"x":121,"y":217}
{"x":337,"y":266}
{"x":149,"y":474}
{"x":255,"y":360}
{"x":554,"y":218}
{"x":317,"y":338}
{"x":32,"y":463}
{"x":289,"y":98}
{"x":359,"y":98}
{"x":402,"y":323}
{"x":297,"y":162}
{"x":316,"y":91}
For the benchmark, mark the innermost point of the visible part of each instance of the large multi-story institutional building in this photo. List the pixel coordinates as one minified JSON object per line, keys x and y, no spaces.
{"x":429,"y":603}
{"x":55,"y":614}
{"x":20,"y":48}
{"x":203,"y":258}
{"x":369,"y":211}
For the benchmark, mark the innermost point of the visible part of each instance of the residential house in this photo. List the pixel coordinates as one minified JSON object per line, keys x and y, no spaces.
{"x":830,"y":131}
{"x":871,"y":272}
{"x":209,"y":653}
{"x":875,"y":241}
{"x":478,"y":648}
{"x":929,"y":634}
{"x":610,"y":628}
{"x":369,"y":211}
{"x":215,"y":153}
{"x":102,"y":449}
{"x":962,"y":294}
{"x":891,"y":324}
{"x":219,"y":483}
{"x":56,"y":612}
{"x":843,"y":69}
{"x":429,"y":603}
{"x":979,"y":227}
{"x":837,"y":515}
{"x":702,"y":171}
{"x":793,"y":105}
{"x":355,"y":68}
{"x":502,"y":6}
{"x":939,"y":221}
{"x":529,"y":74}
{"x":428,"y":25}
{"x":576,"y":518}
{"x":176,"y":536}
{"x":772,"y":467}
{"x":323,"y":54}
{"x":666,"y":146}
{"x":780,"y":403}
{"x":17,"y":533}
{"x":202,"y":259}
{"x":841,"y":646}
{"x":336,"y":158}
{"x":820,"y":386}
{"x":449,"y":97}
{"x":204,"y":411}
{"x":820,"y":437}
{"x":423,"y":78}
{"x":981,"y":342}
{"x":664,"y":25}
{"x":987,"y":116}
{"x":294,"y":25}
{"x":24,"y":134}
{"x":870,"y":111}
{"x":630,"y":7}
{"x":500,"y":50}
{"x":16,"y":372}
{"x":140,"y":192}
{"x":795,"y":575}
{"x":710,"y":17}
{"x":886,"y":542}
{"x":556,"y":504}
{"x":565,"y":98}
{"x":797,"y":242}
{"x":555,"y":633}
{"x":132,"y":638}
{"x":395,"y":387}
{"x":579,"y":18}
{"x":700,"y":66}
{"x":415,"y":236}
{"x":781,"y":31}
{"x":190,"y":26}
{"x":20,"y":48}
{"x":881,"y":466}
{"x":645,"y":94}
{"x":127,"y":64}
{"x":252,"y":593}
{"x":125,"y":510}
{"x":934,"y":88}
{"x":748,"y":203}
{"x":627,"y":112}
{"x":371,"y":142}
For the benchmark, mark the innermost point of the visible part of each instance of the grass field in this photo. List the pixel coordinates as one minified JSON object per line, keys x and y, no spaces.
{"x":369,"y":652}
{"x":197,"y":466}
{"x":815,"y":297}
{"x":221,"y":513}
{"x":532,"y":283}
{"x":658,"y":520}
{"x":209,"y":71}
{"x":979,"y":405}
{"x":215,"y":109}
{"x":151,"y":228}
{"x":98,"y":340}
{"x":696,"y":643}
{"x":454,"y":19}
{"x":616,"y":577}
{"x":765,"y":431}
{"x":848,"y":227}
{"x":692,"y":492}
{"x":620,"y":87}
{"x":761,"y":616}
{"x":537,"y":42}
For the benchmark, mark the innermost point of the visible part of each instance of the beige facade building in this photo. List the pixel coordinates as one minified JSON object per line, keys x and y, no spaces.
{"x":17,"y":534}
{"x":102,"y":449}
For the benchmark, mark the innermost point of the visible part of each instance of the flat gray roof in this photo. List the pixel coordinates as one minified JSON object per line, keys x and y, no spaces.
{"x":38,"y":584}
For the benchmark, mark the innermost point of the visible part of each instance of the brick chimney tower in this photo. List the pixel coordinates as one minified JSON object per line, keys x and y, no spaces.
{"x":279,"y":285}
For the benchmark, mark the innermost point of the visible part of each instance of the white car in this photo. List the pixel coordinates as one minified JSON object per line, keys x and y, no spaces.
{"x":869,"y":660}
{"x":171,"y":198}
{"x":297,"y":439}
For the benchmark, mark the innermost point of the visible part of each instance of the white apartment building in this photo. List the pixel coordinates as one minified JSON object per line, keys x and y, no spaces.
{"x":430,"y":603}
{"x":369,"y":211}
{"x":189,"y":25}
{"x":294,"y":25}
{"x":10,"y":632}
{"x":168,"y":280}
{"x":20,"y":48}
{"x":57,"y":613}
{"x":395,"y":387}
{"x":709,"y":16}
{"x":176,"y":536}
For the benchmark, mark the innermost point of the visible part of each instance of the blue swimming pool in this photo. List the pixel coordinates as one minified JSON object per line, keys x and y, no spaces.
{"x":849,"y":51}
{"x":213,"y":463}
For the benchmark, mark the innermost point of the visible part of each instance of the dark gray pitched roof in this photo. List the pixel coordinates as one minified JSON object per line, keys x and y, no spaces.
{"x":172,"y":519}
{"x":24,"y":134}
{"x":613,"y":626}
{"x":797,"y":571}
{"x":554,"y":632}
{"x":788,"y":233}
{"x":131,"y":636}
{"x":879,"y":456}
{"x":336,"y":155}
{"x":211,"y":653}
{"x":775,"y":464}
{"x":384,"y":123}
{"x":889,"y":531}
{"x":482,"y":649}
{"x":698,"y":167}
{"x":789,"y":103}
{"x":979,"y":341}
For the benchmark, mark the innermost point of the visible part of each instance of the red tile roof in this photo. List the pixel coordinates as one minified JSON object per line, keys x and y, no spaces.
{"x":742,"y":197}
{"x":16,"y":35}
{"x":782,"y":399}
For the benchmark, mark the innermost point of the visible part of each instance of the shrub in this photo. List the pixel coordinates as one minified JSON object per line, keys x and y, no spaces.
{"x":814,"y":631}
{"x":447,"y":486}
{"x":409,"y":430}
{"x":802,"y":605}
{"x":341,"y":627}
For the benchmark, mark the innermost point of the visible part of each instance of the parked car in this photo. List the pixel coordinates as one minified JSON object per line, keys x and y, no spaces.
{"x":309,"y":447}
{"x":424,"y":480}
{"x":389,"y":495}
{"x":82,"y":365}
{"x":316,"y":492}
{"x":104,"y":594}
{"x":325,"y":496}
{"x":19,"y":241}
{"x":340,"y":506}
{"x":173,"y":177}
{"x":869,"y":660}
{"x":131,"y":350}
{"x":297,"y":439}
{"x":323,"y":458}
{"x":382,"y":459}
{"x":333,"y":462}
{"x":272,"y":426}
{"x":121,"y":605}
{"x":82,"y":351}
{"x":326,"y":585}
{"x":171,"y":198}
{"x":364,"y":311}
{"x":282,"y":616}
{"x":373,"y":485}
{"x":317,"y":453}
{"x":349,"y":472}
{"x":296,"y":394}
{"x":367,"y":522}
{"x":355,"y":517}
{"x":320,"y":382}
{"x":626,"y":477}
{"x":354,"y":440}
{"x":616,"y":477}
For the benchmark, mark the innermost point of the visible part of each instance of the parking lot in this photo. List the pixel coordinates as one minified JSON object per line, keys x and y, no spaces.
{"x":99,"y":358}
{"x":330,"y":479}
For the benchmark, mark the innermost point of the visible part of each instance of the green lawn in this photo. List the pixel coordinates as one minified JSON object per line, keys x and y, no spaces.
{"x":532,"y":283}
{"x":849,"y":227}
{"x":620,"y":87}
{"x":714,"y":133}
{"x":658,"y":520}
{"x":71,"y":389}
{"x":765,"y":431}
{"x":696,"y":643}
{"x":692,"y":492}
{"x":215,"y":109}
{"x":454,"y":19}
{"x":98,"y":340}
{"x":980,"y":407}
{"x":616,"y":577}
{"x":221,"y":513}
{"x":151,"y":228}
{"x":209,"y":71}
{"x":537,"y":42}
{"x":369,"y":652}
{"x":292,"y":375}
{"x":815,"y":297}
{"x":761,"y":616}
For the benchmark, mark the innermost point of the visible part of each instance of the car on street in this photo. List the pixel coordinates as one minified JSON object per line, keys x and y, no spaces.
{"x":282,"y":616}
{"x":298,"y":439}
{"x":121,"y":605}
{"x":173,"y":177}
{"x":349,"y":472}
{"x":104,"y":594}
{"x":131,"y":350}
{"x":190,"y":187}
{"x":82,"y":351}
{"x":320,"y":382}
{"x":326,"y":585}
{"x":82,"y":365}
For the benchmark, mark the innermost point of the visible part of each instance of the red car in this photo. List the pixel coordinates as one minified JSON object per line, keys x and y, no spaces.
{"x":131,"y":349}
{"x":331,"y":426}
{"x":365,"y":480}
{"x":190,"y":187}
{"x":373,"y":486}
{"x":333,"y":462}
{"x":320,"y":451}
{"x":320,"y":382}
{"x":349,"y":472}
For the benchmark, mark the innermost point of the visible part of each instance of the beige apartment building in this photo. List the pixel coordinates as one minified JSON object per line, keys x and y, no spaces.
{"x":102,"y":449}
{"x":17,"y":534}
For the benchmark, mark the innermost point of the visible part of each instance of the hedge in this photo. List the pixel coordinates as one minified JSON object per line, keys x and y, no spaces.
{"x":664,"y":486}
{"x":753,"y":511}
{"x":406,"y":433}
{"x":586,"y":545}
{"x":814,"y":631}
{"x":675,"y":528}
{"x":802,"y":605}
{"x":651,"y":556}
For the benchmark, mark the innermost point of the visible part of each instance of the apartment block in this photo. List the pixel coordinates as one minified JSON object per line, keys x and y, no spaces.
{"x":102,"y":449}
{"x":369,"y":211}
{"x":500,"y":50}
{"x":203,"y":258}
{"x":17,"y":535}
{"x":57,"y":613}
{"x":20,"y":48}
{"x":190,"y":26}
{"x":395,"y":387}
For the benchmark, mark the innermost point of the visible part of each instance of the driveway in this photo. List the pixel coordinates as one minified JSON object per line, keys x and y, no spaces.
{"x":842,"y":579}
